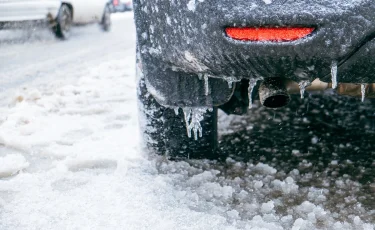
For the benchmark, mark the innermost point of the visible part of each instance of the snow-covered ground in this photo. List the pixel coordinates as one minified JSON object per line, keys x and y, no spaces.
{"x":70,"y":155}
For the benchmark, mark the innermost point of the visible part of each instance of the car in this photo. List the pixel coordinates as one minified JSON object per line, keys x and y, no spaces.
{"x":81,"y":12}
{"x":60,"y":15}
{"x":19,"y":13}
{"x":197,"y":56}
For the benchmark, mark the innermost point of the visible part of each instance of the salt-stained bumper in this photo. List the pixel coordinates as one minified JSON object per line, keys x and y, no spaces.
{"x":28,"y":10}
{"x":189,"y":37}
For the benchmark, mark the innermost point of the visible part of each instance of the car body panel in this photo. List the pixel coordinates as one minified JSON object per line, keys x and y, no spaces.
{"x":87,"y":11}
{"x":189,"y":37}
{"x":28,"y":10}
{"x":172,"y":33}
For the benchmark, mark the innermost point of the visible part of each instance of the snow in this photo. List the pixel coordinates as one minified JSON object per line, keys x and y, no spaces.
{"x":70,"y":159}
{"x":267,"y":1}
{"x":12,"y":164}
{"x":191,"y":5}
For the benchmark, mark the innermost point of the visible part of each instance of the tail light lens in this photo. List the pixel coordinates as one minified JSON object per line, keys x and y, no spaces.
{"x":268,"y":34}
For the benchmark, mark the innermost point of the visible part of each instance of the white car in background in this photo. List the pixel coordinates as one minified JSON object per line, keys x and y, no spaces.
{"x":60,"y":15}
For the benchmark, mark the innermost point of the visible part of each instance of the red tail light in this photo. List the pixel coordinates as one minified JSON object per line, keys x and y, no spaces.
{"x":268,"y":34}
{"x":115,"y":2}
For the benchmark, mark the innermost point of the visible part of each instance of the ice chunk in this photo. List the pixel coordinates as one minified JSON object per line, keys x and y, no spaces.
{"x":334,"y":74}
{"x":302,"y":87}
{"x":300,"y":224}
{"x":267,"y":207}
{"x":12,"y":164}
{"x":233,"y":214}
{"x":363,"y":91}
{"x":288,"y":186}
{"x":193,"y":118}
{"x":258,"y":184}
{"x":264,"y":168}
{"x":252,"y":84}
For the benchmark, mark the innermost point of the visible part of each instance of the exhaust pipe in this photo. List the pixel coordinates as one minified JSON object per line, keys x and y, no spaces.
{"x":347,"y":89}
{"x":316,"y":85}
{"x":273,"y":93}
{"x":355,"y":90}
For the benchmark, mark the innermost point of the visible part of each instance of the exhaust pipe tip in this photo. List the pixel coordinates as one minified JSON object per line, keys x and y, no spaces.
{"x":273,"y":93}
{"x":276,"y":101}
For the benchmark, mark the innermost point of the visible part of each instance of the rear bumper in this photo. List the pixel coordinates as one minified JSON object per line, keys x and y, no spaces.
{"x":28,"y":10}
{"x":190,"y":38}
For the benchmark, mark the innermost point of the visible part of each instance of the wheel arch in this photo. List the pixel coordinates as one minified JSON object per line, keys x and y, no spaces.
{"x":70,"y":7}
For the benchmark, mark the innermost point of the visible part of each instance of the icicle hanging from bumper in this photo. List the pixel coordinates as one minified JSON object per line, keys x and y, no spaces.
{"x":302,"y":87}
{"x":193,"y":118}
{"x":176,"y":110}
{"x":206,"y":85}
{"x":363,"y":92}
{"x":334,"y":74}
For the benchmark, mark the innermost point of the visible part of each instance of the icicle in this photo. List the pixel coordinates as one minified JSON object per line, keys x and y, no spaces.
{"x":176,"y":110}
{"x":363,"y":91}
{"x":187,"y":115}
{"x":230,"y":81}
{"x":193,"y":118}
{"x":206,"y":86}
{"x":334,"y":74}
{"x":230,"y":84}
{"x":200,"y":76}
{"x":302,"y":87}
{"x":252,"y":84}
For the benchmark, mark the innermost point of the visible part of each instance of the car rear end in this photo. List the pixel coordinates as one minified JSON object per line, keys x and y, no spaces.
{"x":121,"y":6}
{"x":20,"y":11}
{"x":254,"y":39}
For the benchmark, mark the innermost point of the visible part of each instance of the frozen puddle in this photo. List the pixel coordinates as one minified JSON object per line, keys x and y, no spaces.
{"x":77,"y":165}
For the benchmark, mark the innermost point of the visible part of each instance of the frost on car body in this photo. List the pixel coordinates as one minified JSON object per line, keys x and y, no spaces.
{"x":290,"y":47}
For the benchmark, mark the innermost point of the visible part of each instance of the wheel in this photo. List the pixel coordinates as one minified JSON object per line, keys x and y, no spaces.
{"x":165,"y":133}
{"x":64,"y":22}
{"x":106,"y":19}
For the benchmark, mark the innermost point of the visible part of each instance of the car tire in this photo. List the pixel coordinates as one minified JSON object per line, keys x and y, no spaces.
{"x":64,"y":22}
{"x":106,"y":19}
{"x":164,"y":131}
